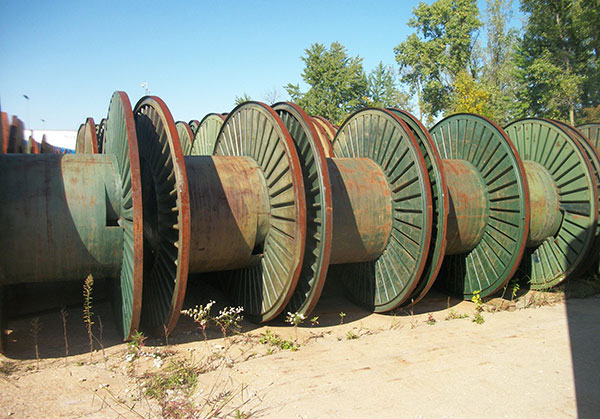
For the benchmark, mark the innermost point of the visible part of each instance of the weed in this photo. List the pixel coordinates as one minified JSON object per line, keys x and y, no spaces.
{"x":201,"y":316}
{"x":8,"y":367}
{"x":87,"y":310}
{"x":515,"y":290}
{"x":453,"y":315}
{"x":342,"y":315}
{"x":430,"y":320}
{"x":274,"y":340}
{"x":478,"y":318}
{"x":179,"y":375}
{"x":351,"y":335}
{"x":295,"y":319}
{"x":64,"y":314}
{"x":228,"y":319}
{"x":34,"y":332}
{"x":135,"y":345}
{"x":314,"y":321}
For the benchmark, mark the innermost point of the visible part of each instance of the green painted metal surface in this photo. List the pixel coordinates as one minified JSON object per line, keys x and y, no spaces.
{"x":206,"y":135}
{"x":433,"y":163}
{"x":550,"y":145}
{"x":490,"y":264}
{"x":166,"y":215}
{"x":318,"y":207}
{"x":120,"y":142}
{"x":592,"y":132}
{"x":265,"y":288}
{"x":186,"y":136}
{"x":388,"y":281}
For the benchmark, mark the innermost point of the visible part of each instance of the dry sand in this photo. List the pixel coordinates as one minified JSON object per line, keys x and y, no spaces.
{"x":530,"y":362}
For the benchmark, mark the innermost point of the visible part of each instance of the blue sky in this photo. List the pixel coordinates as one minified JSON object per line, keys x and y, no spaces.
{"x":69,"y":56}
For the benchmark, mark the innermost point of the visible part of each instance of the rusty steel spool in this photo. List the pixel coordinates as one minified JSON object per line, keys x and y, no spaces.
{"x":489,"y":205}
{"x":249,"y":192}
{"x":4,"y":132}
{"x":194,"y":124}
{"x":100,"y":129}
{"x":78,"y":214}
{"x":382,"y":209}
{"x":326,"y":133}
{"x":186,"y":137}
{"x":206,"y":134}
{"x":32,"y":146}
{"x":86,"y":140}
{"x":16,"y":137}
{"x":46,"y":147}
{"x":592,"y":133}
{"x":564,"y":200}
{"x":593,"y":155}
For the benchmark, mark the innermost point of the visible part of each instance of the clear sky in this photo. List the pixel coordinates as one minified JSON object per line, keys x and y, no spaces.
{"x":69,"y":56}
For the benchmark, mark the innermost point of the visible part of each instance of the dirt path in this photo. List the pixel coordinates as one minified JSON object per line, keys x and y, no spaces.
{"x":534,"y":362}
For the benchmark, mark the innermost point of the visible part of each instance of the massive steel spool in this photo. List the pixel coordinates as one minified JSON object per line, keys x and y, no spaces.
{"x":489,"y":205}
{"x":77,"y":215}
{"x":564,"y":200}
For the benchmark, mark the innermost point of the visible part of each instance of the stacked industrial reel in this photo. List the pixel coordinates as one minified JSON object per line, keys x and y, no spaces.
{"x":277,"y":202}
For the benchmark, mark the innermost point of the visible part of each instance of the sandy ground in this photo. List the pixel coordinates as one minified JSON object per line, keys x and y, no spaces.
{"x":528,"y":362}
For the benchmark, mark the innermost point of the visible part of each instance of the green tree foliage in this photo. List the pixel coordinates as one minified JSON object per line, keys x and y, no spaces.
{"x":499,"y":71}
{"x":241,"y":99}
{"x":383,"y":91}
{"x":431,"y":59}
{"x":338,"y":84}
{"x":558,"y":57}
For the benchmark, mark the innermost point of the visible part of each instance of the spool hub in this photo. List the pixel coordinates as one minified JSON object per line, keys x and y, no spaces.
{"x":489,"y":214}
{"x":562,"y":159}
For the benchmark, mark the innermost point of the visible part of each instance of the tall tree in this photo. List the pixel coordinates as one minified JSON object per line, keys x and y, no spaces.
{"x":383,"y":89}
{"x":338,"y":84}
{"x":499,"y":72}
{"x":431,"y":59}
{"x":558,"y":57}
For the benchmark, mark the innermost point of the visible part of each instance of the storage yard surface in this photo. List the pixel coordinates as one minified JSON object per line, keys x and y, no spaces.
{"x":536,"y":361}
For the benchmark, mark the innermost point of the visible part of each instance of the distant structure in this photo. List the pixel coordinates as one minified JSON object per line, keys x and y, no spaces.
{"x":58,"y":138}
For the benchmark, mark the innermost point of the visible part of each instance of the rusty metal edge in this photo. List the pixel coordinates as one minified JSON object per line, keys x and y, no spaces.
{"x":184,"y":215}
{"x":5,"y":129}
{"x":327,"y":236}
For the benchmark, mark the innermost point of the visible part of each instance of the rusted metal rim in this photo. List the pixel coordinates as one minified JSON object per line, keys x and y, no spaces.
{"x":16,"y":137}
{"x":591,"y":153}
{"x":319,"y":222}
{"x":194,"y":124}
{"x":32,"y":146}
{"x":495,"y":259}
{"x":550,"y":145}
{"x":388,"y":281}
{"x":166,"y":215}
{"x":4,"y":132}
{"x":100,"y":128}
{"x":87,"y":142}
{"x":254,"y":130}
{"x":326,"y":132}
{"x":186,"y":136}
{"x":433,"y":163}
{"x":206,"y":135}
{"x":592,"y":132}
{"x":121,"y":143}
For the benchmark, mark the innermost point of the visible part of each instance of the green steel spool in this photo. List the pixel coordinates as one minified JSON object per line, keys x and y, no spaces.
{"x":591,"y":153}
{"x":77,"y":214}
{"x":319,"y":227}
{"x":592,"y":132}
{"x":32,"y":146}
{"x":206,"y":134}
{"x":386,"y":276}
{"x":4,"y":131}
{"x":87,"y":142}
{"x":566,"y":214}
{"x":46,"y":147}
{"x":100,"y":129}
{"x":433,"y":164}
{"x":326,"y":133}
{"x":489,"y":215}
{"x":186,"y":136}
{"x":16,"y":137}
{"x":264,"y":288}
{"x":194,"y":124}
{"x":166,"y":215}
